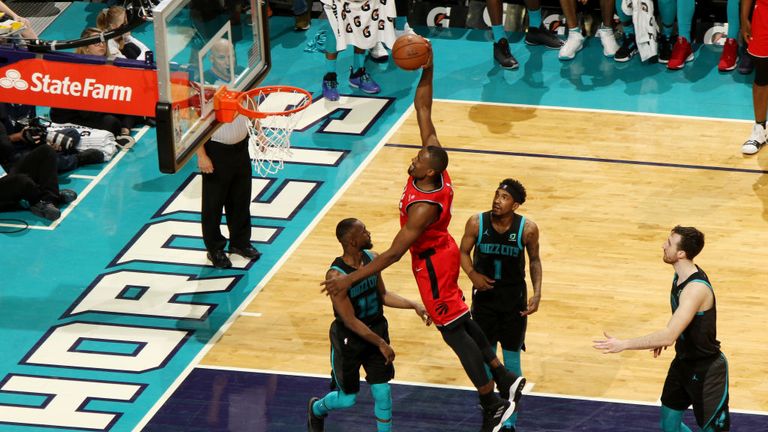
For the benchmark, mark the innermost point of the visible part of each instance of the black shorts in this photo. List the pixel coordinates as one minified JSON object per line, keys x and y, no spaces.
{"x":703,"y":384}
{"x":349,"y":351}
{"x":501,"y":326}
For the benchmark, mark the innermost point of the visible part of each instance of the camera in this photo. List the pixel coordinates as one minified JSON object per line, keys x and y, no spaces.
{"x":61,"y":141}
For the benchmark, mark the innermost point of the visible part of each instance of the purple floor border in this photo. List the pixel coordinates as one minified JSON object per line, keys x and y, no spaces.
{"x":233,"y":401}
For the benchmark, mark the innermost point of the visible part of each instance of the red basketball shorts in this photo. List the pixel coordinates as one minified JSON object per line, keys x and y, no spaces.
{"x":437,"y":275}
{"x":758,"y":46}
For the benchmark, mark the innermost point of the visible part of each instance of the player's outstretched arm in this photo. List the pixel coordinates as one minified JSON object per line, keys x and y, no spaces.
{"x":423,"y":104}
{"x":531,"y":241}
{"x":344,"y":308}
{"x":420,"y":215}
{"x":692,"y":299}
{"x":480,"y":282}
{"x":397,"y":301}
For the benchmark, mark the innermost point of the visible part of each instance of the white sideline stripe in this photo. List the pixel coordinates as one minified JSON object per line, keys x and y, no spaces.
{"x":94,"y":181}
{"x":251,"y":314}
{"x":527,"y":389}
{"x":593,"y":110}
{"x":195,"y":361}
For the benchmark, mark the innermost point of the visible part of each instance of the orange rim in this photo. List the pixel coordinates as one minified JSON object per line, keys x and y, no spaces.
{"x":244,"y":110}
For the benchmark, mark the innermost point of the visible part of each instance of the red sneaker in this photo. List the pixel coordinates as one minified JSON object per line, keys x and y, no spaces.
{"x":681,"y":53}
{"x":729,"y":57}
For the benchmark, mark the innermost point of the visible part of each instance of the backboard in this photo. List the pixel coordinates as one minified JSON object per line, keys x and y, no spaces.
{"x":200,"y":46}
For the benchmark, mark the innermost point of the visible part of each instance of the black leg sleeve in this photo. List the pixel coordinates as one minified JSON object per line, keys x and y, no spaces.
{"x":468,"y":352}
{"x":476,"y":333}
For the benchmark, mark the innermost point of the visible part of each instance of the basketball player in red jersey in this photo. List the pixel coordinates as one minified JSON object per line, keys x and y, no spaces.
{"x":425,"y":213}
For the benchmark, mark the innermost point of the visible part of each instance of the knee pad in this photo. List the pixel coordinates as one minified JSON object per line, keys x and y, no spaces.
{"x":382,"y":401}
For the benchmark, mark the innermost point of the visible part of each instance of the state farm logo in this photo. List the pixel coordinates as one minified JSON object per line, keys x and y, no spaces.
{"x":89,"y":88}
{"x":13,"y":79}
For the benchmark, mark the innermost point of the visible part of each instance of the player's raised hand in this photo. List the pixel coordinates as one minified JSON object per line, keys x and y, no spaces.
{"x":609,"y":344}
{"x":336,"y":286}
{"x":422,"y":313}
{"x":481,"y":282}
{"x":387,"y":352}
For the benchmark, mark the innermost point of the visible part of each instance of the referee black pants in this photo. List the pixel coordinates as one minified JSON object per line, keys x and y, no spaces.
{"x":227,"y":188}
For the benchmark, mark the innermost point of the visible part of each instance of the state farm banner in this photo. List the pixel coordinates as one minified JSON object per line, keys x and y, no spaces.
{"x":82,"y":86}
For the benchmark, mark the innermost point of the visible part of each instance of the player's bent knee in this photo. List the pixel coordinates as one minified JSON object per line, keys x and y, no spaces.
{"x":346,"y":400}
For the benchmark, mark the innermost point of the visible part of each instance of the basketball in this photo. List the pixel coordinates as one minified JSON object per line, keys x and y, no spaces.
{"x":410,"y":51}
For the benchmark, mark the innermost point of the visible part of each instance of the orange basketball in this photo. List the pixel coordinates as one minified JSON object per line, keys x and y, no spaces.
{"x":410,"y":51}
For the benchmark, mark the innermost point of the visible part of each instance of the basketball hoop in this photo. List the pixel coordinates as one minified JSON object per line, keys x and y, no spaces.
{"x":273,"y":113}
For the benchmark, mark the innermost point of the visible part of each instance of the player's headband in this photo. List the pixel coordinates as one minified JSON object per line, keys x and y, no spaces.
{"x":510,"y":190}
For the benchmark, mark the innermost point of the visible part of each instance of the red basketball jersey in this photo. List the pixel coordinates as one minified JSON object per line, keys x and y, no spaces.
{"x":436,"y":233}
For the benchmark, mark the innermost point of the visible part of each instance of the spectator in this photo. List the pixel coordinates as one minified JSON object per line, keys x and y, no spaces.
{"x":119,"y":124}
{"x":575,"y":41}
{"x":126,"y":45}
{"x":19,"y":122}
{"x":370,"y":22}
{"x":730,"y":55}
{"x":536,"y":35}
{"x":682,"y":52}
{"x":30,"y":181}
{"x":756,"y":35}
{"x":302,"y":10}
{"x":28,"y":32}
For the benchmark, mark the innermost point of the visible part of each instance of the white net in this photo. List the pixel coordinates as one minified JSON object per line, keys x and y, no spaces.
{"x":270,"y":137}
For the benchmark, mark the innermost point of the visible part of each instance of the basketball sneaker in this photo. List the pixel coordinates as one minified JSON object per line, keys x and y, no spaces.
{"x":746,"y":63}
{"x":665,"y":48}
{"x":542,"y":36}
{"x":729,"y":56}
{"x":627,"y":50}
{"x":608,"y":39}
{"x":330,"y":87}
{"x":360,"y":79}
{"x":406,"y":30}
{"x":572,"y":45}
{"x":304,"y":21}
{"x":503,"y":55}
{"x":681,"y":53}
{"x":378,"y":53}
{"x":314,"y":423}
{"x":756,"y":140}
{"x":66,"y":196}
{"x":495,"y":415}
{"x":511,"y":388}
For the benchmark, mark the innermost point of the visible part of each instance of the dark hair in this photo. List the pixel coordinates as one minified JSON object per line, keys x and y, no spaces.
{"x":438,"y":158}
{"x":514,"y":188}
{"x":691,"y":240}
{"x":343,"y":227}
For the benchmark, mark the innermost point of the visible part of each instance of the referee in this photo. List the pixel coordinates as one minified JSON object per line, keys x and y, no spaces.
{"x":226,"y":168}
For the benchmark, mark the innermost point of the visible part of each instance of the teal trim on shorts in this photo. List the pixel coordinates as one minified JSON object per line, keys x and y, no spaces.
{"x":725,"y":394}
